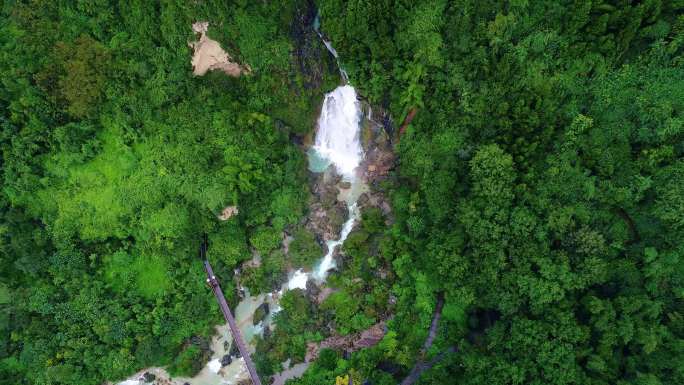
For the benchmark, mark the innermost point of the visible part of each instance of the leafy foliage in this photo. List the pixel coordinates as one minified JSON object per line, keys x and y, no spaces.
{"x":304,"y":250}
{"x":539,"y":188}
{"x":116,"y":159}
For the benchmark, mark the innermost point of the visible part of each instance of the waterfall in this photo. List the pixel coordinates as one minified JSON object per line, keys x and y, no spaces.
{"x":338,"y":143}
{"x":337,"y":138}
{"x":328,"y":45}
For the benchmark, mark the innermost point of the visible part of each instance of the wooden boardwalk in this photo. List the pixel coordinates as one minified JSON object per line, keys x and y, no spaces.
{"x":234,"y":330}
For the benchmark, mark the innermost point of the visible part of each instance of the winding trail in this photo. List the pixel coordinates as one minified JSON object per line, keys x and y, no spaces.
{"x":432,"y":333}
{"x":421,"y":365}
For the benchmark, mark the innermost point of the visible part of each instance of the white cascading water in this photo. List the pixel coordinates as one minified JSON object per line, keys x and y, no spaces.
{"x":337,"y":138}
{"x":328,"y":261}
{"x":337,"y":141}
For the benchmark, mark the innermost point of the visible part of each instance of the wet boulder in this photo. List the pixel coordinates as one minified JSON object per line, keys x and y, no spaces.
{"x":312,"y":290}
{"x":234,"y":351}
{"x":327,"y":223}
{"x":148,"y":377}
{"x":226,"y":360}
{"x":338,"y":215}
{"x":260,"y":313}
{"x":364,"y":200}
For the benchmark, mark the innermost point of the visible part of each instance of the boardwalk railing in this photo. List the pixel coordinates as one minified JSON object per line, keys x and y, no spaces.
{"x":234,"y":330}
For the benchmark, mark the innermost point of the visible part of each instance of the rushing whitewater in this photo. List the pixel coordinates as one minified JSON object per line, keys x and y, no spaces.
{"x":338,"y":144}
{"x":337,"y":138}
{"x":328,"y":261}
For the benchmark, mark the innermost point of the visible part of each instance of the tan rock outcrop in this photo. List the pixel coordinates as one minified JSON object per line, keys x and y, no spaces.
{"x":228,"y":212}
{"x":209,"y":56}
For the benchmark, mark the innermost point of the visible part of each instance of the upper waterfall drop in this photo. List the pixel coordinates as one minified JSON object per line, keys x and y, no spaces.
{"x":338,"y":138}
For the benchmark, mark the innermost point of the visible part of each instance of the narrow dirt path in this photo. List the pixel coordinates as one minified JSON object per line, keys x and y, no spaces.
{"x":421,"y":365}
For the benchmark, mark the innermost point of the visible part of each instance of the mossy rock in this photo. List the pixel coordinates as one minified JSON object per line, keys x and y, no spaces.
{"x":260,"y":313}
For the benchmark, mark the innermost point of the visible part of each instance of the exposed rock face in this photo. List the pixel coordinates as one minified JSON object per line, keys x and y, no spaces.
{"x":327,"y":224}
{"x":311,"y":57}
{"x":370,"y":336}
{"x":326,"y":213}
{"x":209,"y":56}
{"x":378,"y":164}
{"x":375,"y":199}
{"x":312,"y":290}
{"x":228,"y":212}
{"x":324,"y":187}
{"x":351,"y":343}
{"x":325,"y":293}
{"x":379,"y":159}
{"x":364,"y":199}
{"x":338,"y":257}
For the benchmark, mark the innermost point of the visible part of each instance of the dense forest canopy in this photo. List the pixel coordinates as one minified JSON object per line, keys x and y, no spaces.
{"x":538,"y":189}
{"x":116,"y":159}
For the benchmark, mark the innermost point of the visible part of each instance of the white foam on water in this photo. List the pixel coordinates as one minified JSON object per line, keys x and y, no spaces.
{"x":214,"y":365}
{"x":298,"y":280}
{"x":328,"y":262}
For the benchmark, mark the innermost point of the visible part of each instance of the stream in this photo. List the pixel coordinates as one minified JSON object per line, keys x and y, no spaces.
{"x":337,"y":144}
